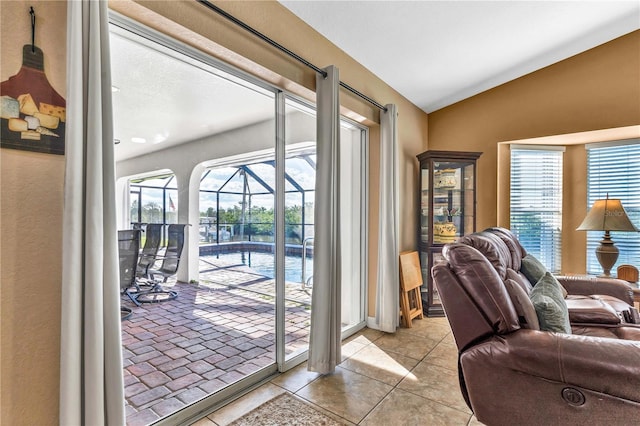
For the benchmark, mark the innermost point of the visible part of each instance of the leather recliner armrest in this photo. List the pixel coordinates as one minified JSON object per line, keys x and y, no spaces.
{"x":581,"y":285}
{"x":567,"y":358}
{"x":511,"y":377}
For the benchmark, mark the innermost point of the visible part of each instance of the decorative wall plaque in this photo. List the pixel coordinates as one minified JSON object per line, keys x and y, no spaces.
{"x":33,"y":114}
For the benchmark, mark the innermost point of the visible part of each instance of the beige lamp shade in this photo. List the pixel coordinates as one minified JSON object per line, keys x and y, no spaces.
{"x":607,"y":215}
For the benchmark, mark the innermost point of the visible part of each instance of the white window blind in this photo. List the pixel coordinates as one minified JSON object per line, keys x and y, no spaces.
{"x":615,"y":170}
{"x":536,"y":202}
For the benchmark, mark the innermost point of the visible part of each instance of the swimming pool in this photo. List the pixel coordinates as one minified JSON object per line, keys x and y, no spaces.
{"x":265,"y":264}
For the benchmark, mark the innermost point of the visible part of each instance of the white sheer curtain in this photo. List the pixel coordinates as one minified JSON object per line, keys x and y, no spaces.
{"x":324,"y":339}
{"x":388,"y":283}
{"x":91,"y":384}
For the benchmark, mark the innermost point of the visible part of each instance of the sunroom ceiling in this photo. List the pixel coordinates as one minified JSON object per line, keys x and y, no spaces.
{"x":162,"y":98}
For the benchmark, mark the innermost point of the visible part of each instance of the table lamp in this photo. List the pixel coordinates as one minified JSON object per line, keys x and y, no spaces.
{"x":607,"y":215}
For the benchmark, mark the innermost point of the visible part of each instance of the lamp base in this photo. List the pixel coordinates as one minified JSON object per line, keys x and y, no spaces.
{"x":607,"y":254}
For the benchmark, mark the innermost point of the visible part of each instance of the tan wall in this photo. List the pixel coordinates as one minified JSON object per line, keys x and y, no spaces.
{"x":31,"y":193}
{"x":598,"y":89}
{"x":32,"y":184}
{"x":574,"y":208}
{"x":203,"y":29}
{"x":591,"y":91}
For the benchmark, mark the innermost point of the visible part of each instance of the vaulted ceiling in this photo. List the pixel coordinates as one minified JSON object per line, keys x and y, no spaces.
{"x":434,"y":53}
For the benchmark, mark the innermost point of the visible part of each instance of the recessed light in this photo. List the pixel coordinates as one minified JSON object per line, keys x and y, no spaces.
{"x":138,"y":140}
{"x":114,"y":89}
{"x":159,"y":138}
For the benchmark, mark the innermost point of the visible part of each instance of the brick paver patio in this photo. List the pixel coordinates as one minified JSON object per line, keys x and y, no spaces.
{"x":216,"y":332}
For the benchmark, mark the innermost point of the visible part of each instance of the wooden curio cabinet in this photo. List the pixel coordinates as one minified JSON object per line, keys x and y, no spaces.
{"x":447,"y":211}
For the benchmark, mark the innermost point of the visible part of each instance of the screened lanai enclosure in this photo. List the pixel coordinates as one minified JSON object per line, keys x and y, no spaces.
{"x":237,"y":216}
{"x":237,"y":202}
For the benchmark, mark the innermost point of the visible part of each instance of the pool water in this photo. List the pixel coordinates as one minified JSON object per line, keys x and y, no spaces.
{"x":265,"y":264}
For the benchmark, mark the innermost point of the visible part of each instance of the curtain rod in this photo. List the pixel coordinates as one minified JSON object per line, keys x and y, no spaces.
{"x":285,"y":50}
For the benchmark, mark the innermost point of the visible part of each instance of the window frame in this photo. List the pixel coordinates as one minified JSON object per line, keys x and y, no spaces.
{"x":603,"y":159}
{"x":534,"y":181}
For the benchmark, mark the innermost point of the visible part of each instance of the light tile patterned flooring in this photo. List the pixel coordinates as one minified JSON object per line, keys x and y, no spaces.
{"x":216,"y":332}
{"x":406,"y":378}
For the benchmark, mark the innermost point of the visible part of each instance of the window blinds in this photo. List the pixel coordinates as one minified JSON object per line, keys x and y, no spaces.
{"x":536,"y":202}
{"x":614,"y":169}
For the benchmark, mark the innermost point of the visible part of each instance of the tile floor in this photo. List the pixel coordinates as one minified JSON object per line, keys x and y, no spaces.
{"x":406,"y":378}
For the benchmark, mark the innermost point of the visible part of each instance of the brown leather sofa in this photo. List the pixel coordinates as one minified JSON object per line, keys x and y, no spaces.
{"x":510,"y":374}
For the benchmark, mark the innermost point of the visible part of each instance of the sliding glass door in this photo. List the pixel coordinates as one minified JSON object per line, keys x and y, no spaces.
{"x":241,"y":159}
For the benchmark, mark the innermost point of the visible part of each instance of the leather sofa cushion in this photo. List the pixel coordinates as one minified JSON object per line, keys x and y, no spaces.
{"x":589,"y":285}
{"x":524,"y":308}
{"x":511,"y":241}
{"x":613,"y":332}
{"x":617,"y":304}
{"x":628,"y":333}
{"x":550,"y":306}
{"x":492,"y":247}
{"x":481,"y":282}
{"x":520,"y":279}
{"x":584,"y":309}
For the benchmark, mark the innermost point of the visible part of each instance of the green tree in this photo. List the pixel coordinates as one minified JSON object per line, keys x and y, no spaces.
{"x":293,"y":223}
{"x":262,"y":220}
{"x":152,"y":212}
{"x":133,"y":212}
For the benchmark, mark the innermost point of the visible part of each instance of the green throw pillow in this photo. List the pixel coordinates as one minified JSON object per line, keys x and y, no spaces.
{"x":550,"y":306}
{"x":532,"y":269}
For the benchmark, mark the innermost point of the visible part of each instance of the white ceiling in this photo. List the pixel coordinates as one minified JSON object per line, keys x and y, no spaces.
{"x":163,"y":98}
{"x":436,"y":53}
